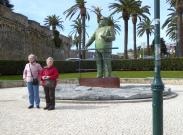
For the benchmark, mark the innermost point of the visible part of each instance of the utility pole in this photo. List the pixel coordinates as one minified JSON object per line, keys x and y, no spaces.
{"x":157,"y":85}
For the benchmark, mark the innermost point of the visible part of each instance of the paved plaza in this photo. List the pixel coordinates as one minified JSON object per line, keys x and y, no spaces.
{"x":86,"y":119}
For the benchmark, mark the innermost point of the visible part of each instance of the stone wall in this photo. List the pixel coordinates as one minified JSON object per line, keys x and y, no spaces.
{"x":19,"y":37}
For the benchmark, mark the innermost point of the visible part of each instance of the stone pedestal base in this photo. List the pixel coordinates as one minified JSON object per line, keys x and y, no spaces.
{"x":108,"y":82}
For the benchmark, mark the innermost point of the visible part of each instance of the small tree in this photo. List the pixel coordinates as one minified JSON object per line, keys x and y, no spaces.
{"x":80,"y":5}
{"x":77,"y":31}
{"x":54,"y":21}
{"x":163,"y":47}
{"x":145,"y":26}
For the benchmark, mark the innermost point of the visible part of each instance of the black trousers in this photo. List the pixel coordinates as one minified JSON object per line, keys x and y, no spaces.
{"x":50,"y":96}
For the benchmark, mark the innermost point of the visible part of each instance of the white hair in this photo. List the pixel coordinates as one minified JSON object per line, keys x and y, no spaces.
{"x":32,"y":56}
{"x":50,"y":59}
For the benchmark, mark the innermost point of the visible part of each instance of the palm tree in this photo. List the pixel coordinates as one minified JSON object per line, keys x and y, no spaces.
{"x":172,"y":30}
{"x":6,"y":3}
{"x":171,"y":24}
{"x":97,"y":10}
{"x":114,"y":24}
{"x":67,"y":47}
{"x":125,"y":7}
{"x":80,"y":5}
{"x":145,"y":26}
{"x":178,"y":4}
{"x":76,"y":42}
{"x":138,"y":13}
{"x":54,"y":21}
{"x":77,"y":31}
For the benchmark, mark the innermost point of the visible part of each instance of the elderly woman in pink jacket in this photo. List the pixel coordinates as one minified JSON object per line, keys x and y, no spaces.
{"x":31,"y":77}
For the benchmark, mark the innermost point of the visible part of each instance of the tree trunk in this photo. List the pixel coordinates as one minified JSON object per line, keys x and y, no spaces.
{"x":179,"y":45}
{"x":77,"y":46}
{"x":134,"y":21}
{"x":83,"y":37}
{"x":52,"y":51}
{"x":148,"y":48}
{"x":178,"y":36}
{"x":181,"y":36}
{"x":80,"y":56}
{"x":126,"y":39}
{"x":52,"y":47}
{"x":83,"y":16}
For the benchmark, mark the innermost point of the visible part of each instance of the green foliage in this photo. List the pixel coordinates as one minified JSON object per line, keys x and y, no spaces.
{"x":57,"y":40}
{"x":126,"y":7}
{"x":145,"y":26}
{"x":78,"y":6}
{"x":140,"y":12}
{"x":121,"y":74}
{"x":54,"y":21}
{"x":6,"y":67}
{"x":114,"y":24}
{"x":171,"y":24}
{"x":163,"y":47}
{"x":76,"y":27}
{"x":98,"y":11}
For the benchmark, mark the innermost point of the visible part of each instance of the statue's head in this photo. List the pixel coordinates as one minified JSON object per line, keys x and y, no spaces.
{"x":104,"y":21}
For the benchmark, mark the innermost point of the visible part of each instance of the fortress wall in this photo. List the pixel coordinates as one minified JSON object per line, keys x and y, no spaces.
{"x":19,"y":37}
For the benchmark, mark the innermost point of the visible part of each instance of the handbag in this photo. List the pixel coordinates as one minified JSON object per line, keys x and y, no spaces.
{"x":49,"y":83}
{"x":35,"y":81}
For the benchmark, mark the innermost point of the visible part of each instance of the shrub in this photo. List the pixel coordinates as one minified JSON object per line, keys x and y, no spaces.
{"x":8,"y":67}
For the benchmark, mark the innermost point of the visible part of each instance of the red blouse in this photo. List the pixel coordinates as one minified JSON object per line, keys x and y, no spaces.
{"x":52,"y":72}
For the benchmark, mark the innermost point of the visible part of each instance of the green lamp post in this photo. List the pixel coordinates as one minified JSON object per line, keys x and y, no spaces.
{"x":157,"y":85}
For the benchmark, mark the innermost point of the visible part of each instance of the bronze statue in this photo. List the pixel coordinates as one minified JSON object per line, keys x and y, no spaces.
{"x":103,"y":37}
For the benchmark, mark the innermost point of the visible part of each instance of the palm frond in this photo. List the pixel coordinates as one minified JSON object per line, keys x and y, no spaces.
{"x":54,"y":21}
{"x":76,"y":9}
{"x":114,"y":24}
{"x":145,"y":26}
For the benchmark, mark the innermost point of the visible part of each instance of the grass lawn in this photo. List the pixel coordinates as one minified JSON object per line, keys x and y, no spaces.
{"x":121,"y":74}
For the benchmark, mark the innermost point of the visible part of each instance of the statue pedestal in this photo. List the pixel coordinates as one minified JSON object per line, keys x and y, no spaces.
{"x":108,"y":82}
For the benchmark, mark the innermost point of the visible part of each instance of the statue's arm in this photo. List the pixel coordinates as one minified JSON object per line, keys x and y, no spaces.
{"x":110,"y":36}
{"x":91,"y":40}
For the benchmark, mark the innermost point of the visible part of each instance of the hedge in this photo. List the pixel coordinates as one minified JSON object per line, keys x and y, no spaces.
{"x":8,"y":67}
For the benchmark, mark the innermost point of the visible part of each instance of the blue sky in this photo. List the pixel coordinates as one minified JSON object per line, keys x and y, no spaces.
{"x":38,"y":9}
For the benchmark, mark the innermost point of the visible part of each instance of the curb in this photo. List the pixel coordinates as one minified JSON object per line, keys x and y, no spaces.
{"x":20,"y":83}
{"x":167,"y":97}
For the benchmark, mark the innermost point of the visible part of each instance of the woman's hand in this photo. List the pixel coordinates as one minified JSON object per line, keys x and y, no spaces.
{"x":45,"y":77}
{"x":25,"y":80}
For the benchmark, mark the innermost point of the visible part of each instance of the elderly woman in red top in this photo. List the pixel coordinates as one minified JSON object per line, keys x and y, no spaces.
{"x":49,"y":76}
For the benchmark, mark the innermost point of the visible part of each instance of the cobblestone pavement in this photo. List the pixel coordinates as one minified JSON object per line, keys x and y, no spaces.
{"x":86,"y":119}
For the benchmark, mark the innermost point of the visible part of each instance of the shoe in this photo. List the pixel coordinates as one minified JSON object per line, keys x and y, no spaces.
{"x":45,"y":108}
{"x":30,"y":107}
{"x":51,"y":108}
{"x":37,"y":107}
